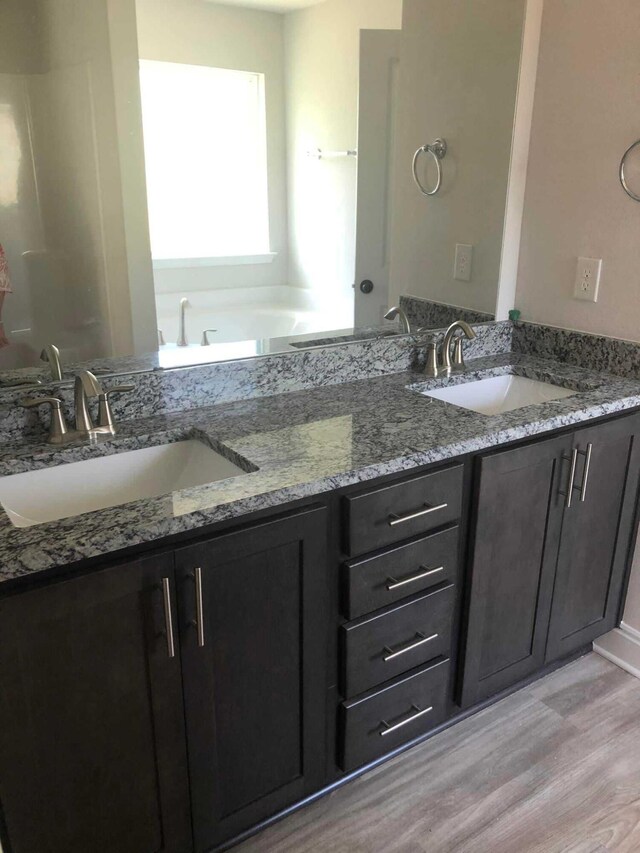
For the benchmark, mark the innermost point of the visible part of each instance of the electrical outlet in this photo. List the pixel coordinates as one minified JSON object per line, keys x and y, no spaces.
{"x":587,"y":281}
{"x":463,"y":262}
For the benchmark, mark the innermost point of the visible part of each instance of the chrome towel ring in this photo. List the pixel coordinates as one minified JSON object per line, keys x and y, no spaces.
{"x":623,"y":177}
{"x":438,"y":151}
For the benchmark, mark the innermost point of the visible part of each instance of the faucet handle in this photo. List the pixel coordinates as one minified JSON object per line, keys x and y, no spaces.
{"x":57,"y":425}
{"x":105,"y":415}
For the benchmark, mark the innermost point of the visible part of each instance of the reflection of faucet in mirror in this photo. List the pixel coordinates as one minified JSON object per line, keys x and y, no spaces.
{"x":161,"y":340}
{"x":205,"y":337}
{"x":394,"y":312}
{"x":51,"y":354}
{"x":182,"y":329}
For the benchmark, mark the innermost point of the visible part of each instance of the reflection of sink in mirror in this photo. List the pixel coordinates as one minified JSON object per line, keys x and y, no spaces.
{"x":63,"y":491}
{"x":499,"y":394}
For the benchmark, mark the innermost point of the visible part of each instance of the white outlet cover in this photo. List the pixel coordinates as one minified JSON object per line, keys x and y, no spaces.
{"x":463,"y":262}
{"x":587,"y":283}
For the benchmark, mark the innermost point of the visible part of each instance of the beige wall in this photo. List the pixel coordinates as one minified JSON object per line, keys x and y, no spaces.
{"x":203,"y":33}
{"x":459,"y":63}
{"x":586,"y":113}
{"x":322,"y":65}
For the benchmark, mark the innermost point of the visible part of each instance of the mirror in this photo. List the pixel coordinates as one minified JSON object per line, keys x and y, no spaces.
{"x":197,"y":181}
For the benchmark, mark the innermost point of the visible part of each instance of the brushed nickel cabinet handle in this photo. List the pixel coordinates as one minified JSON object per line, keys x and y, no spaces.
{"x":168,"y":617}
{"x":409,"y":647}
{"x":392,"y":583}
{"x":401,"y":519}
{"x":587,"y":468}
{"x":198,"y":622}
{"x":419,"y":713}
{"x":572,"y":477}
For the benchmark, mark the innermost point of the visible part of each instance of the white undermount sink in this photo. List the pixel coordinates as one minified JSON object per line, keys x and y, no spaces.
{"x":50,"y":494}
{"x":499,"y":394}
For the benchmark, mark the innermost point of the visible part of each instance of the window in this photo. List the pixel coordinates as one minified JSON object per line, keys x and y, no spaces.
{"x":206,"y":161}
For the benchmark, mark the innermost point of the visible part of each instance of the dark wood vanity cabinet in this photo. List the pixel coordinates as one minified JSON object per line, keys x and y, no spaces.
{"x":516,"y":526}
{"x":171,"y":703}
{"x":92,"y":744}
{"x":253,"y":637}
{"x":101,"y":675}
{"x":597,"y":535}
{"x":553,"y":525}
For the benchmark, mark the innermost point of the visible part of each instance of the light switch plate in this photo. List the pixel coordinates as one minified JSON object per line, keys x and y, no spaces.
{"x":463,"y":262}
{"x":587,"y":281}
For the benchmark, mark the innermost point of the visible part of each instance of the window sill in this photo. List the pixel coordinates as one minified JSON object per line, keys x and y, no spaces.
{"x":220,"y":261}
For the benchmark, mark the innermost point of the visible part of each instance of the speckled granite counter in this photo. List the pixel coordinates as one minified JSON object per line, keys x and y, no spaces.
{"x":302,"y":443}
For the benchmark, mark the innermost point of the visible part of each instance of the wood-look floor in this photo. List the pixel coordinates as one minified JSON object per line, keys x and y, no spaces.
{"x":554,"y":768}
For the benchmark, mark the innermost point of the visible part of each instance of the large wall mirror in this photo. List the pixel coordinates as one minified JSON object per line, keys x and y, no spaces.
{"x":205,"y":180}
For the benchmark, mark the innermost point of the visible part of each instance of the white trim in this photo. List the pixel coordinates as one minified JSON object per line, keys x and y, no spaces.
{"x":219,"y":261}
{"x":622,"y":647}
{"x":631,"y":632}
{"x":514,"y":211}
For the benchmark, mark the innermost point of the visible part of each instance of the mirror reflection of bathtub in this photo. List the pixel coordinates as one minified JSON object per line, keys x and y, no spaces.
{"x":239,"y":315}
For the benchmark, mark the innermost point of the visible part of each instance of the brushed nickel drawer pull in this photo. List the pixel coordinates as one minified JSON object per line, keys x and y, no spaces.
{"x":198,"y":622}
{"x":391,"y":655}
{"x":419,"y":713}
{"x":400,"y":519}
{"x":392,"y":583}
{"x":168,"y":617}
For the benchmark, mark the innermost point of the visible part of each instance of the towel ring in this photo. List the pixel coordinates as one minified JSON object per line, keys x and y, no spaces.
{"x":623,"y":177}
{"x":438,"y":151}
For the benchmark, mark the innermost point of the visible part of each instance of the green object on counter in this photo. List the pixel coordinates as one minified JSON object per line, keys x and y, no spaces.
{"x":514,"y":315}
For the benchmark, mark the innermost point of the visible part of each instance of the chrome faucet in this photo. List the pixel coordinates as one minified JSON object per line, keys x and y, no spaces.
{"x":51,"y":353}
{"x":87,"y":386}
{"x":396,"y":311}
{"x":182,"y":327}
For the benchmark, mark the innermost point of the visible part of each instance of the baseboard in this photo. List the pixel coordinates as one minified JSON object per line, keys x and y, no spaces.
{"x":631,"y":632}
{"x":622,"y":647}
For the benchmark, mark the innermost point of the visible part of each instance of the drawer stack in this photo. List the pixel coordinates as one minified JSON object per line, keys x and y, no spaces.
{"x":399,"y":593}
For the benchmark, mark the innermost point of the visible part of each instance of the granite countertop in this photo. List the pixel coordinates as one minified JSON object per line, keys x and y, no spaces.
{"x":302,"y":444}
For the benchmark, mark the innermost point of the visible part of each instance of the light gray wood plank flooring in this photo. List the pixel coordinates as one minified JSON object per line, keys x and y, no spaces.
{"x":554,"y":768}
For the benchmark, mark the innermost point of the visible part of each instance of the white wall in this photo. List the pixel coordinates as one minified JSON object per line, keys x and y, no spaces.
{"x":458,"y":78}
{"x":322,"y":64}
{"x":586,"y":112}
{"x":198,"y":32}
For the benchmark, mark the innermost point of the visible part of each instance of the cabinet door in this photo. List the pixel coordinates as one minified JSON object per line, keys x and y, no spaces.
{"x":597,"y":533}
{"x":92,"y":746}
{"x":253,"y":645}
{"x":516,"y":527}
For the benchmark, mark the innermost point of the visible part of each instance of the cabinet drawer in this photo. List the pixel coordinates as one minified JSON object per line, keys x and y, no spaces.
{"x":378,"y":648}
{"x":380,"y":721}
{"x":393,"y":513}
{"x":375,"y":582}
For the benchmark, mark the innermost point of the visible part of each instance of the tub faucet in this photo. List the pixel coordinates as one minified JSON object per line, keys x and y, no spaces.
{"x":396,"y":311}
{"x":51,"y":354}
{"x":182,"y":328}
